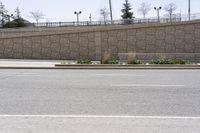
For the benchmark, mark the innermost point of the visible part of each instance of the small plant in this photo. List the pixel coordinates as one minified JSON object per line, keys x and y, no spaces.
{"x":168,"y":61}
{"x":135,"y":62}
{"x":179,"y":61}
{"x":63,"y":63}
{"x":113,"y":61}
{"x":84,"y":61}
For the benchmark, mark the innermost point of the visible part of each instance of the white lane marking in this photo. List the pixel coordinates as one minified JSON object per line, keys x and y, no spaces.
{"x":145,"y":85}
{"x":102,"y":116}
{"x":116,"y":75}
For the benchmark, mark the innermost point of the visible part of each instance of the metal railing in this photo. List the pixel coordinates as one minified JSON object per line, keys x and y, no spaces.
{"x":176,"y":18}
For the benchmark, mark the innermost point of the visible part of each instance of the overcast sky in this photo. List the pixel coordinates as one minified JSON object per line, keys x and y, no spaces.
{"x":63,"y":10}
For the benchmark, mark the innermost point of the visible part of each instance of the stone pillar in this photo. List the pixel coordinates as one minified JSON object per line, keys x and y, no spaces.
{"x":98,"y":45}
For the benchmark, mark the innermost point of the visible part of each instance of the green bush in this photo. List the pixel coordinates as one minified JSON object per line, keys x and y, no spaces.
{"x":84,"y":61}
{"x":168,"y":61}
{"x":179,"y":61}
{"x":113,"y":61}
{"x":20,"y":22}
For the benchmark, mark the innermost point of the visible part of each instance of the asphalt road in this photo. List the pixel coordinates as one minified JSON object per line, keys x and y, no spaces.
{"x":106,"y":98}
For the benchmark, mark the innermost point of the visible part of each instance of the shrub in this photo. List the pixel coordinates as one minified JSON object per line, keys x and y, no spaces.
{"x":135,"y":62}
{"x":84,"y":61}
{"x":179,"y":61}
{"x":168,"y":61}
{"x":113,"y":61}
{"x":20,"y":22}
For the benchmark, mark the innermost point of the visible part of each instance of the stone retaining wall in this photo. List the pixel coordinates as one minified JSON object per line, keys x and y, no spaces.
{"x":92,"y":43}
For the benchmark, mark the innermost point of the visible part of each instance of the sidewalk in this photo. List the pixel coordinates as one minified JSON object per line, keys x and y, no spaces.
{"x":28,"y":63}
{"x":56,"y":64}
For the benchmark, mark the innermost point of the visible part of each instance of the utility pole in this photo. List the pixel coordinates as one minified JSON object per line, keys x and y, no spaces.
{"x":158,"y":12}
{"x":189,"y":10}
{"x":111,"y":16}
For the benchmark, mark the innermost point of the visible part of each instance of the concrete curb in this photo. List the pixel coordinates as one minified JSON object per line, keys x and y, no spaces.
{"x":59,"y":66}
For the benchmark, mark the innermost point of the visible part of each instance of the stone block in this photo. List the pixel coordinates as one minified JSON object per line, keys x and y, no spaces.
{"x":112,"y":33}
{"x":27,"y":53}
{"x":55,"y":47}
{"x":170,"y":48}
{"x":64,"y":40}
{"x":151,"y":31}
{"x":36,"y":39}
{"x":112,"y":40}
{"x":160,"y":44}
{"x":36,"y":55}
{"x":17,"y":41}
{"x":160,"y":34}
{"x":74,"y":46}
{"x":150,"y":38}
{"x":170,"y":39}
{"x":179,"y":43}
{"x":150,"y":48}
{"x":189,"y":29}
{"x":141,"y":34}
{"x":55,"y":55}
{"x":74,"y":55}
{"x":179,"y":50}
{"x":54,"y":38}
{"x":18,"y":55}
{"x":141,"y":44}
{"x":46,"y":52}
{"x":91,"y":36}
{"x":131,"y":39}
{"x":121,"y":35}
{"x":169,"y":30}
{"x":131,"y":32}
{"x":179,"y":34}
{"x":27,"y":42}
{"x":8,"y":43}
{"x":45,"y":42}
{"x":73,"y":38}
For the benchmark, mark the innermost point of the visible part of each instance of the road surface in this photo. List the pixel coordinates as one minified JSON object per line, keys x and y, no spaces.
{"x":106,"y":101}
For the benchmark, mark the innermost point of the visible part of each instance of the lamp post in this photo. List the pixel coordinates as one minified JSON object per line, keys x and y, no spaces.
{"x":158,"y":12}
{"x":189,"y":10}
{"x":77,"y":15}
{"x":90,"y":17}
{"x":111,"y":16}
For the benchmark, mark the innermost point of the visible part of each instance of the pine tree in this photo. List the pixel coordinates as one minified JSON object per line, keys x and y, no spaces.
{"x":126,"y":10}
{"x":3,"y":13}
{"x":17,"y":11}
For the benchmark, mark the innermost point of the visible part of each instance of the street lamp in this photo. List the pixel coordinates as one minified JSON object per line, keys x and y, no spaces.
{"x":189,"y":9}
{"x":158,"y":12}
{"x":77,"y":15}
{"x":111,"y":16}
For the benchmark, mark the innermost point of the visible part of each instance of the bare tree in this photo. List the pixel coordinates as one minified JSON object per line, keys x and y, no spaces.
{"x":170,"y":8}
{"x":104,"y":12}
{"x":144,"y":9}
{"x":37,"y":15}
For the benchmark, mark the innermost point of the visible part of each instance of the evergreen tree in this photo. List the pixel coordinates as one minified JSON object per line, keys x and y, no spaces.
{"x":126,"y":10}
{"x":3,"y":13}
{"x":17,"y":11}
